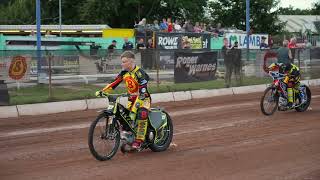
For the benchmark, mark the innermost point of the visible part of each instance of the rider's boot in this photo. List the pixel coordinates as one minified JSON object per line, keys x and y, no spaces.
{"x":290,"y":98}
{"x":141,"y":133}
{"x":142,"y":123}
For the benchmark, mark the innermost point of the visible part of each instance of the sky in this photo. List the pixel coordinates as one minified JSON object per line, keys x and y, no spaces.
{"x":301,"y":4}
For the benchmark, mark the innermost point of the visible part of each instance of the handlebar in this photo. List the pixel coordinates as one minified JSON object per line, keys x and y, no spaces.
{"x":116,"y":95}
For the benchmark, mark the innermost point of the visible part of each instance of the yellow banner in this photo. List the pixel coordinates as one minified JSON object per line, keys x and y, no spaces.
{"x":113,"y":33}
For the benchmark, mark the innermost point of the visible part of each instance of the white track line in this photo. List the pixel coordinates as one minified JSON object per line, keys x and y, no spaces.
{"x":173,"y":114}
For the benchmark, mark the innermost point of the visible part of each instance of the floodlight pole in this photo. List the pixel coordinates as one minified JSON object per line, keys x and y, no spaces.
{"x":38,"y":19}
{"x":248,"y":21}
{"x":60,"y":17}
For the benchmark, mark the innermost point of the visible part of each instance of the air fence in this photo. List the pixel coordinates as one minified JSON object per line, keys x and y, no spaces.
{"x":74,"y":68}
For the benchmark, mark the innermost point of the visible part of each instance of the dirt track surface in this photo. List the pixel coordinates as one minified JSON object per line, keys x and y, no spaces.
{"x":220,"y":138}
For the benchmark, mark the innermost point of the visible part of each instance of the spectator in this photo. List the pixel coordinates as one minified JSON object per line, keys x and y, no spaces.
{"x":177,"y":27}
{"x":141,"y":44}
{"x":32,"y":33}
{"x":263,"y":44}
{"x":48,"y":34}
{"x":127,"y":44}
{"x":197,"y":28}
{"x":164,"y":25}
{"x":210,"y":28}
{"x":236,"y":63}
{"x":204,"y":27}
{"x":112,"y":46}
{"x":292,"y":46}
{"x":111,"y":49}
{"x":188,"y":26}
{"x":156,"y":26}
{"x":150,"y":44}
{"x":143,"y":22}
{"x":227,"y":62}
{"x":170,"y":25}
{"x":292,"y":43}
{"x":270,"y":41}
{"x":219,"y":30}
{"x":284,"y":53}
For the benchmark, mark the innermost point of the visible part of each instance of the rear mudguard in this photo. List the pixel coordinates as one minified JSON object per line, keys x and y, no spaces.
{"x":157,"y":119}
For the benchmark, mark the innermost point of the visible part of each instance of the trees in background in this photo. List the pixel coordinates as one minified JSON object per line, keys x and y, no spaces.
{"x":115,"y":13}
{"x":231,"y":13}
{"x":125,"y":13}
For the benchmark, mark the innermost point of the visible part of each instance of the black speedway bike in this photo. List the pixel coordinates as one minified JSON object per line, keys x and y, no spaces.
{"x":116,"y":127}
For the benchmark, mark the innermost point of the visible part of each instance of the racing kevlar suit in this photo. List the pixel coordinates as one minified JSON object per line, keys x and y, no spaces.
{"x":139,"y":102}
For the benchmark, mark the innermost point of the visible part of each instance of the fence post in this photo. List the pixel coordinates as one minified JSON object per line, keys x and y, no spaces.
{"x":157,"y":66}
{"x":4,"y":95}
{"x":49,"y":55}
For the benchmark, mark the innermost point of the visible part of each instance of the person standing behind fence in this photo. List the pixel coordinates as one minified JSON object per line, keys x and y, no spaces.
{"x":236,"y":62}
{"x":188,"y":27}
{"x":292,"y":46}
{"x":111,"y":48}
{"x":284,"y":53}
{"x":164,"y":25}
{"x":141,"y":44}
{"x":263,"y":44}
{"x":170,"y":25}
{"x":227,"y":62}
{"x":149,"y":44}
{"x":127,"y":44}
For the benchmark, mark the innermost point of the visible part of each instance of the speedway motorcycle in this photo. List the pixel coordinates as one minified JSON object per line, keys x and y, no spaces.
{"x":275,"y":97}
{"x":116,"y":127}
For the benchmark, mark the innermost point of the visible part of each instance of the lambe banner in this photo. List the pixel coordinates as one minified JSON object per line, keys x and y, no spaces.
{"x":254,"y":40}
{"x":194,"y":66}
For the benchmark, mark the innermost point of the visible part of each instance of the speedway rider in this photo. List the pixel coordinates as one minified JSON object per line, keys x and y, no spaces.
{"x":139,"y":101}
{"x":292,"y":80}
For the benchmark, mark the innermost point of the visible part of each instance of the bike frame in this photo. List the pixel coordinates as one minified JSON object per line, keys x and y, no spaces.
{"x":278,"y":83}
{"x":113,"y":111}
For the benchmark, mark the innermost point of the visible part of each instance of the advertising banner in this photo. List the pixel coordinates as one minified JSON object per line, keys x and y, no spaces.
{"x":15,"y":68}
{"x":194,"y":66}
{"x":255,"y":40}
{"x":183,"y":41}
{"x":168,"y":41}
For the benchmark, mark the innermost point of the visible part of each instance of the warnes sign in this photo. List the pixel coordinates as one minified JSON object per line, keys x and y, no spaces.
{"x":193,"y":65}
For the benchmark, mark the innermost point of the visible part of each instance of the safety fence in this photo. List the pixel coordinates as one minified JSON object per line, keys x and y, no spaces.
{"x":75,"y":68}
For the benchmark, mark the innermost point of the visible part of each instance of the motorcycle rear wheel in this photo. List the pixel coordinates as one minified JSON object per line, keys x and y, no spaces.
{"x":162,"y":144}
{"x":305,"y":106}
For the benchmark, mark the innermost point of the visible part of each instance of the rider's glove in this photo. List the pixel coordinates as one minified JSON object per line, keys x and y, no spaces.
{"x":99,"y":93}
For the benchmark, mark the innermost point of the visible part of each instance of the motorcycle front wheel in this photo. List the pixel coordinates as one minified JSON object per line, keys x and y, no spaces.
{"x":269,"y":101}
{"x":103,"y":138}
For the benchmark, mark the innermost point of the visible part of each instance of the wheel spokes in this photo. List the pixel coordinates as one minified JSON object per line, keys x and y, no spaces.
{"x":103,"y":141}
